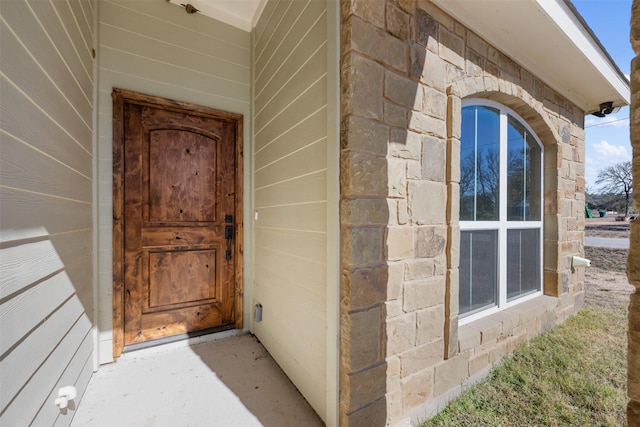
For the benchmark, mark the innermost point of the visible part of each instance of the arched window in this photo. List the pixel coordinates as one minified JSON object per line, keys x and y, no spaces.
{"x":500,"y":210}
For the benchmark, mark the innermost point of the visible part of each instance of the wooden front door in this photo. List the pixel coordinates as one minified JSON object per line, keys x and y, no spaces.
{"x":180,"y":223}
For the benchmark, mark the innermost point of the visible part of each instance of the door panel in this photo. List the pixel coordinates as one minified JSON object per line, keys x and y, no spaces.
{"x":182,"y":176}
{"x":169,"y":269}
{"x":179,"y":196}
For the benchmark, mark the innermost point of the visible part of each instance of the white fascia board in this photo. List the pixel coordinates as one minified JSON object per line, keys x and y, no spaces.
{"x":566,"y":20}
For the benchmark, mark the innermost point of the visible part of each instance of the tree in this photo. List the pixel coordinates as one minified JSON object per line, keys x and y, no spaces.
{"x":615,"y":178}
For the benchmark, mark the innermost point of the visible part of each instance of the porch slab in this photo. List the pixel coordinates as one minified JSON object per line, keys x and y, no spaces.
{"x":231,"y":381}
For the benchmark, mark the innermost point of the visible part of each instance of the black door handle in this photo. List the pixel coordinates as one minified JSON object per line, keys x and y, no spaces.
{"x":228,"y":234}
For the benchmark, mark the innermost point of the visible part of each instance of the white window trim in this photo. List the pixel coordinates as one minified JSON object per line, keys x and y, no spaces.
{"x":503,"y":225}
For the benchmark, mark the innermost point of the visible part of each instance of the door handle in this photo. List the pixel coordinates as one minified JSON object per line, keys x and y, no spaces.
{"x":228,"y":234}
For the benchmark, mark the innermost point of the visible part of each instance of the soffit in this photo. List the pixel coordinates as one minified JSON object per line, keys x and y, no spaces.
{"x":550,"y":40}
{"x":242,"y":14}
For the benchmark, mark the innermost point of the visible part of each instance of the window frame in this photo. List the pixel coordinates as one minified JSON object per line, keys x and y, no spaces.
{"x":502,"y":225}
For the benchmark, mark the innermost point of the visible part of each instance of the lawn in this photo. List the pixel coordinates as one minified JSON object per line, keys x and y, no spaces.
{"x":572,"y":375}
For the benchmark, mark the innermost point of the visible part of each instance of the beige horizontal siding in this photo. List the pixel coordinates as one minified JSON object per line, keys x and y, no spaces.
{"x":290,"y":190}
{"x":309,"y":159}
{"x":307,"y":131}
{"x":26,"y":215}
{"x":304,"y":19}
{"x":124,"y":40}
{"x":303,"y":189}
{"x":24,"y":166}
{"x":46,"y":179}
{"x":44,"y":87}
{"x":276,"y":33}
{"x":270,"y":262}
{"x":48,"y":137}
{"x":37,"y":346}
{"x":155,"y":70}
{"x":309,"y":68}
{"x":308,"y":246}
{"x":62,"y":64}
{"x":82,"y":362}
{"x":311,"y":101}
{"x":50,"y":292}
{"x":203,"y":40}
{"x":154,"y":13}
{"x":35,"y":395}
{"x":268,"y":13}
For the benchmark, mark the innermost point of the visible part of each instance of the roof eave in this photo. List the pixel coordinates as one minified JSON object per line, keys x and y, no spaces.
{"x":550,"y":40}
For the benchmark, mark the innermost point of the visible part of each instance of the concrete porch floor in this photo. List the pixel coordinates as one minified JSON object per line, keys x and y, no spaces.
{"x":229,"y":381}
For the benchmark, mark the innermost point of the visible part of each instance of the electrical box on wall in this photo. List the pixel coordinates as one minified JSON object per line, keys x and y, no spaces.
{"x":257,"y":313}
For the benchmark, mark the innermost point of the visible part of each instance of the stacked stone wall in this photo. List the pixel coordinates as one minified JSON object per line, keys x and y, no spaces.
{"x":406,"y":66}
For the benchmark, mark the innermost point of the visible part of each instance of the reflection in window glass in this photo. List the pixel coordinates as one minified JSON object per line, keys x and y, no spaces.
{"x":478,"y":270}
{"x":500,"y":208}
{"x":523,"y":262}
{"x":523,"y":174}
{"x":480,"y":164}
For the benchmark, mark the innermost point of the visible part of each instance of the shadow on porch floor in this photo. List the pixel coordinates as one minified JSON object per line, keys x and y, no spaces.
{"x":231,"y":381}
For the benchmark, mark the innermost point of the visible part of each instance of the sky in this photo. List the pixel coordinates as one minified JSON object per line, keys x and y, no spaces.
{"x":607,"y":139}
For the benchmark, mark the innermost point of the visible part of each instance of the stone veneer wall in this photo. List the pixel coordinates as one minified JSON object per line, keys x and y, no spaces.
{"x":633,"y":262}
{"x":405,"y":68}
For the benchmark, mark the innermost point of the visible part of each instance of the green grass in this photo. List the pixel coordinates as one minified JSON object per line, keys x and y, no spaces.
{"x":572,"y":375}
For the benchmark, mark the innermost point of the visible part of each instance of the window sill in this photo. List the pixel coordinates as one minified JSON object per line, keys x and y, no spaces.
{"x":495,"y":309}
{"x":520,"y":320}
